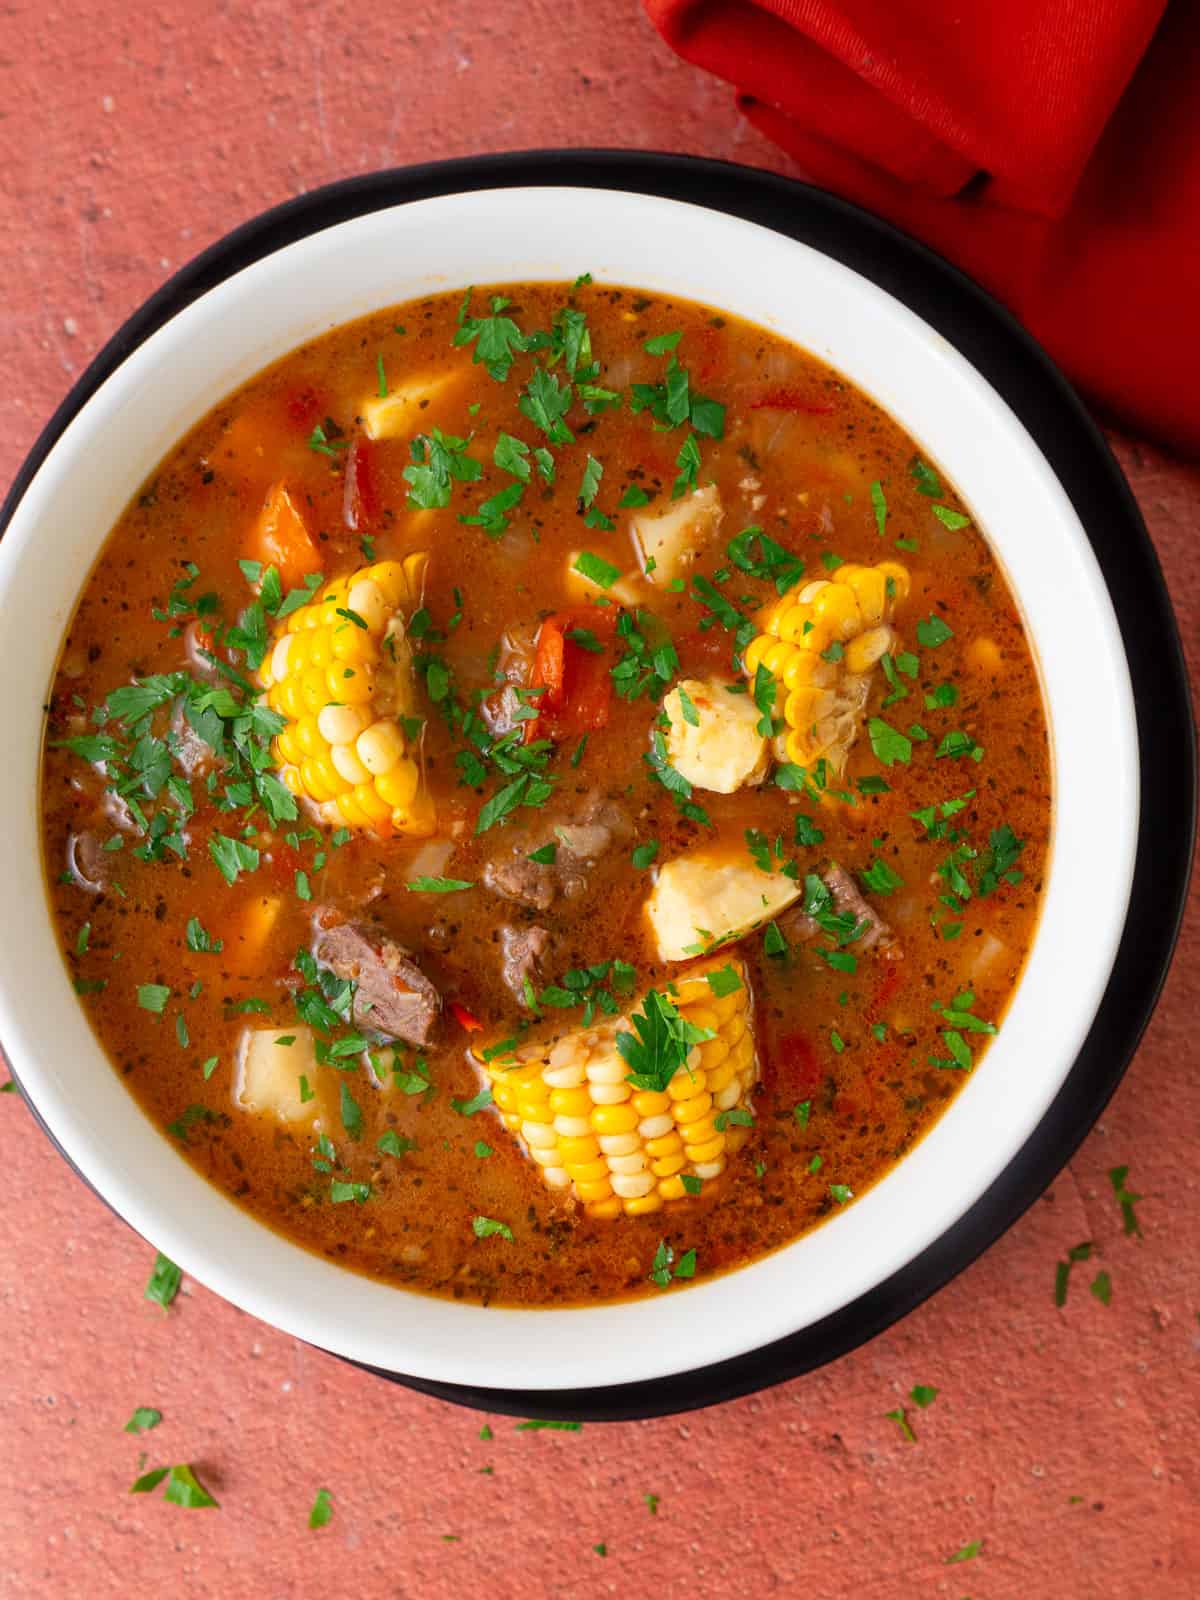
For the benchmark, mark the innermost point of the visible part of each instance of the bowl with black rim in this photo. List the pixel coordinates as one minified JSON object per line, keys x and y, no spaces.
{"x":980,"y":399}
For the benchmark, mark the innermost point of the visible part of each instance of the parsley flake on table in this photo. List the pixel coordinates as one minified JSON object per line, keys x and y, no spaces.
{"x":967,"y":1553}
{"x":183,"y":1486}
{"x":322,"y":1509}
{"x":1126,"y":1199}
{"x":900,"y":1417}
{"x":143,"y":1419}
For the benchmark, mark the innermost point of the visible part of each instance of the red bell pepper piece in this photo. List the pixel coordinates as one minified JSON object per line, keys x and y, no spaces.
{"x":574,"y":680}
{"x":360,"y":493}
{"x":465,"y":1019}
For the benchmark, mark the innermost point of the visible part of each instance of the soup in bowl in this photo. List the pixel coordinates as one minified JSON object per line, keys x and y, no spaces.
{"x":547,"y":799}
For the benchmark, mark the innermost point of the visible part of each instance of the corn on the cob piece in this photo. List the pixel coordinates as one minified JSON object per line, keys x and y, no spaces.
{"x":823,"y":700}
{"x":340,"y":671}
{"x":623,"y":1149}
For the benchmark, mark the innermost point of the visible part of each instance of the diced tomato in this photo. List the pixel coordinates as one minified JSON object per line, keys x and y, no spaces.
{"x":465,"y":1019}
{"x":360,"y":494}
{"x":797,"y":1070}
{"x":885,"y":993}
{"x":304,"y":406}
{"x":785,"y":399}
{"x":283,"y":864}
{"x":575,"y":681}
{"x":280,"y":538}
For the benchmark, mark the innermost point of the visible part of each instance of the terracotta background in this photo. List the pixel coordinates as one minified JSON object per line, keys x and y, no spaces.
{"x":1064,"y":1440}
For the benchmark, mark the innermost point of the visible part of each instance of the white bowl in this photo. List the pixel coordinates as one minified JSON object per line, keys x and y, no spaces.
{"x":217,"y":343}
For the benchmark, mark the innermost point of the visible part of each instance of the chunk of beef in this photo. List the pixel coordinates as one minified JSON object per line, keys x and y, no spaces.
{"x":523,"y":950}
{"x":526,"y":883}
{"x":798,"y":927}
{"x":847,"y":898}
{"x":579,"y":843}
{"x":393,"y":997}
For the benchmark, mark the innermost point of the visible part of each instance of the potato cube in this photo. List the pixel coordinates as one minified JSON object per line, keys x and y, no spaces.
{"x":668,"y":540}
{"x":405,"y":409}
{"x":702,"y":901}
{"x":713,"y":739}
{"x":269,"y":1073}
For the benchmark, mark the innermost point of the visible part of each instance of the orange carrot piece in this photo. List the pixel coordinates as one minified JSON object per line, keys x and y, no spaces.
{"x":280,"y":538}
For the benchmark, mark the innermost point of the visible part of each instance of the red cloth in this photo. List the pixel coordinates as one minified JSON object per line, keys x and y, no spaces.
{"x":1049,"y":147}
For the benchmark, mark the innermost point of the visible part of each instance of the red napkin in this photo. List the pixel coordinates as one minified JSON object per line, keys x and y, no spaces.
{"x":1049,"y":147}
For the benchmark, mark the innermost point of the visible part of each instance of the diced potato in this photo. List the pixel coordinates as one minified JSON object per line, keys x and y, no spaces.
{"x":269,"y":1073}
{"x":582,"y":588}
{"x":668,"y":540}
{"x":701,"y":901}
{"x":721,"y":749}
{"x":402,"y":411}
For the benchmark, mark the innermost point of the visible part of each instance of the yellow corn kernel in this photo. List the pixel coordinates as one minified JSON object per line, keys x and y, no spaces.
{"x":605,"y":1210}
{"x":669,"y":1165}
{"x":576,"y":1152}
{"x":687,"y":1111}
{"x":718,"y":1077}
{"x":599,"y":1190}
{"x":643,"y":1206}
{"x":588,"y":1171}
{"x":650,"y":1103}
{"x":701,"y":1131}
{"x":687,"y":1085}
{"x":665,"y":1145}
{"x":351,"y":686}
{"x":614,"y":1119}
{"x":672,"y":1188}
{"x":312,"y":776}
{"x":399,"y":786}
{"x":351,"y":647}
{"x":698,"y":1153}
{"x":374,"y":808}
{"x":570,"y":1102}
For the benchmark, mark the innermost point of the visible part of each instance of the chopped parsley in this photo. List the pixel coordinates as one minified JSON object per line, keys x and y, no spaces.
{"x":164,"y":1281}
{"x":659,"y":1044}
{"x":665,"y":1267}
{"x":489,"y":1228}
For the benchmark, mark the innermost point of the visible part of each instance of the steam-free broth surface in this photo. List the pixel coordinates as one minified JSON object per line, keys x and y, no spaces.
{"x":612,"y":755}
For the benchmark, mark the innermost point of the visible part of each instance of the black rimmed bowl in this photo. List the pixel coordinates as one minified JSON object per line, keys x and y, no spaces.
{"x":981,"y":399}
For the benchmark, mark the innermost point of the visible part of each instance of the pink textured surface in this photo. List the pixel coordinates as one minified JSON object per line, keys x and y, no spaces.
{"x":133,"y":137}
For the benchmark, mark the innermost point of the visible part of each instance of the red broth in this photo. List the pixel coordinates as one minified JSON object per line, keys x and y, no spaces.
{"x":190,"y":904}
